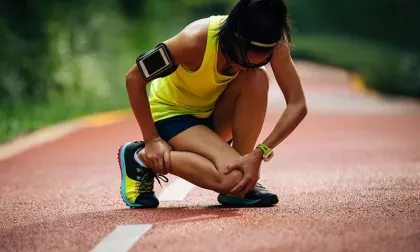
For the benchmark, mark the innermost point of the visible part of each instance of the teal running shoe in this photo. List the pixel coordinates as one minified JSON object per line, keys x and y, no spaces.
{"x":257,"y":197}
{"x":137,"y":182}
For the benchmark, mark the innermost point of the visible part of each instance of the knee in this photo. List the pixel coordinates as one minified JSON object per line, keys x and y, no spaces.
{"x":259,"y":82}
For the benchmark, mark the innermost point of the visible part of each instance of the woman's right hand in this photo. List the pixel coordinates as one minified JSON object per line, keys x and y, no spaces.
{"x":157,"y":155}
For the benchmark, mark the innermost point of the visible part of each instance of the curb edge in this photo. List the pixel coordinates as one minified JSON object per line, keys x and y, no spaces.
{"x":53,"y":132}
{"x":359,"y":85}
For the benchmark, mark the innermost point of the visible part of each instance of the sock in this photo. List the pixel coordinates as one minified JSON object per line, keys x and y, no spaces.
{"x":136,"y":157}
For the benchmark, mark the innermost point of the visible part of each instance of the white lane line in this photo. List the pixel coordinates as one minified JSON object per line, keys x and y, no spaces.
{"x":122,"y":238}
{"x":176,"y":190}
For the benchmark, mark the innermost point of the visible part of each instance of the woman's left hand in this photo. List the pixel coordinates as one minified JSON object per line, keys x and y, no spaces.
{"x":250,"y":166}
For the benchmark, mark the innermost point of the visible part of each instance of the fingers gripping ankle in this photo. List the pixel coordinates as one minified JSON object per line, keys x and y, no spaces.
{"x":142,"y":156}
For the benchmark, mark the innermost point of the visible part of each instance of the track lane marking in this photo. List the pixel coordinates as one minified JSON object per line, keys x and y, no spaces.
{"x":122,"y":238}
{"x":176,"y":190}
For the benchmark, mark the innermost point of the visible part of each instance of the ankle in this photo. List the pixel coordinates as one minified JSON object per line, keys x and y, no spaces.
{"x":142,"y":156}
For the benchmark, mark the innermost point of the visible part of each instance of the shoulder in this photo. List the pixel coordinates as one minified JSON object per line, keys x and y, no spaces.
{"x":281,"y":56}
{"x":191,"y":40}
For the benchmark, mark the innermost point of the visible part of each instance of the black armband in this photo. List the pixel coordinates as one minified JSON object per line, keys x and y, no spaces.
{"x":156,"y":63}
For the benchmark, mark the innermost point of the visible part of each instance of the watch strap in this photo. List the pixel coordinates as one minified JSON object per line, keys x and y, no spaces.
{"x":266,"y":150}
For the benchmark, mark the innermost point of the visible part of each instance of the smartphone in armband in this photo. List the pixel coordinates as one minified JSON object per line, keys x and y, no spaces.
{"x":156,"y":63}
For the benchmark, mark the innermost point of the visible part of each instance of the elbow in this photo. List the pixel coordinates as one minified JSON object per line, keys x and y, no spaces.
{"x":133,"y":76}
{"x":303,"y":108}
{"x":130,"y":78}
{"x":134,"y":80}
{"x":300,"y":108}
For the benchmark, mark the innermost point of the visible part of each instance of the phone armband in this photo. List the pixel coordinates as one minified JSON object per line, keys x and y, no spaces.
{"x":156,"y":63}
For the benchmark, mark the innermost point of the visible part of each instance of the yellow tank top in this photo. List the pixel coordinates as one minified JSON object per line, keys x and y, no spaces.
{"x":191,"y":92}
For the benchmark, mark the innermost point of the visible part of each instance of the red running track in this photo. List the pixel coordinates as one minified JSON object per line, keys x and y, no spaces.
{"x":348,"y":180}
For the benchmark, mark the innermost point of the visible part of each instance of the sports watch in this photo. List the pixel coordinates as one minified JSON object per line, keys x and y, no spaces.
{"x":267,"y":152}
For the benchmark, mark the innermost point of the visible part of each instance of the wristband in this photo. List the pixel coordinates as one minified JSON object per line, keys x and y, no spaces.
{"x":267,"y":152}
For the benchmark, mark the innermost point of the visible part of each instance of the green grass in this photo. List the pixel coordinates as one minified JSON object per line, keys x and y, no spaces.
{"x":93,"y":80}
{"x":384,"y":68}
{"x":97,"y":89}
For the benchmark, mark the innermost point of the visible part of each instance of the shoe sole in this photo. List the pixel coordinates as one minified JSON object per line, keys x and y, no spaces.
{"x":232,"y":201}
{"x":121,"y":163}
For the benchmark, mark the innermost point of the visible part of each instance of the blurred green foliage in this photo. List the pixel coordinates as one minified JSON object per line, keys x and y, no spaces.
{"x":390,"y":21}
{"x":387,"y":69}
{"x":377,"y":39}
{"x":62,"y":59}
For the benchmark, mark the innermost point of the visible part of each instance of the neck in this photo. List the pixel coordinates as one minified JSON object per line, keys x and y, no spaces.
{"x":223,"y":67}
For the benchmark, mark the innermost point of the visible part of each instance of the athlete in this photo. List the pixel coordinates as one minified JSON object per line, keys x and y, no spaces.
{"x":205,"y":105}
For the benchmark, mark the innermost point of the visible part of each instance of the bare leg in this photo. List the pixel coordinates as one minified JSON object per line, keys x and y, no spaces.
{"x":200,"y":156}
{"x":241,"y":110}
{"x":240,"y":113}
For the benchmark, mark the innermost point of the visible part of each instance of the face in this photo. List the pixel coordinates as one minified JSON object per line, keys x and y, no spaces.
{"x":255,"y":60}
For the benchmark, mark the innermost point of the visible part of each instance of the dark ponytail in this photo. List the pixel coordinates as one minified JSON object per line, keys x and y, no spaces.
{"x":254,"y":26}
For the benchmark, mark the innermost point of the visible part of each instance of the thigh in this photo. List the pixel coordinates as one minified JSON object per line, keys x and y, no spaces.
{"x":225,"y":107}
{"x":205,"y":142}
{"x":171,"y":127}
{"x":222,"y":116}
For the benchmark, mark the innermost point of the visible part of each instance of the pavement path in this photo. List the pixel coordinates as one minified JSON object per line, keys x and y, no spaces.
{"x":348,"y":179}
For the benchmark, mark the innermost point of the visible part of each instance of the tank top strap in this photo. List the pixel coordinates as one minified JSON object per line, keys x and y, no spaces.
{"x":209,"y":63}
